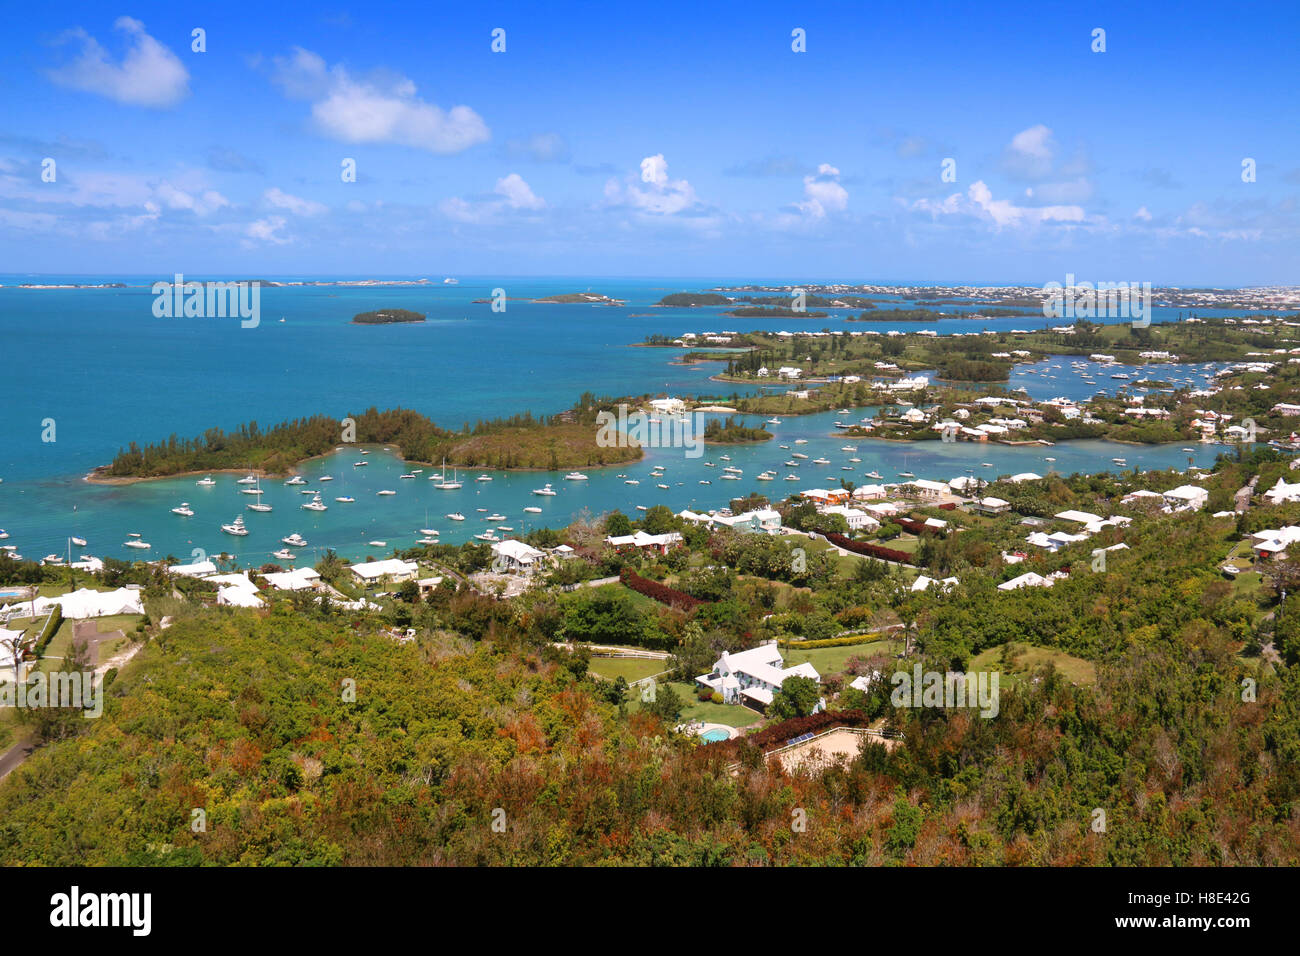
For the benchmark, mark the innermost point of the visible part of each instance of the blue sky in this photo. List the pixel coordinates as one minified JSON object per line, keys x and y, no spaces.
{"x":660,"y":139}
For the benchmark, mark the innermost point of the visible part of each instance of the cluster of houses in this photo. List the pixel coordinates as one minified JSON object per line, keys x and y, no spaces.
{"x":237,"y":589}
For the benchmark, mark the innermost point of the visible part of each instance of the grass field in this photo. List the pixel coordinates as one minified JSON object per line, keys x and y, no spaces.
{"x":628,"y":668}
{"x":63,"y":637}
{"x":1028,"y":657}
{"x":733,"y":715}
{"x":830,"y":660}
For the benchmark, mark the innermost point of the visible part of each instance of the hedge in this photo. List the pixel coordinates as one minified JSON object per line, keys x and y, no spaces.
{"x":658,"y":592}
{"x":869,"y":550}
{"x":51,"y":628}
{"x":848,"y":641}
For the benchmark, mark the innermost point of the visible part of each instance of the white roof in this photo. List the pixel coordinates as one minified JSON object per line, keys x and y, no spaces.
{"x":1025,"y":476}
{"x":84,"y":603}
{"x":517,"y":551}
{"x":1186,"y":492}
{"x":643,"y":540}
{"x":374,"y":570}
{"x":298,"y":579}
{"x":1027,"y":580}
{"x":1082,"y":517}
{"x":197,"y":570}
{"x":929,"y":485}
{"x":238,"y":597}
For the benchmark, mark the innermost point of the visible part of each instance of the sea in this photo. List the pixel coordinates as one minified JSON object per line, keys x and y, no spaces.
{"x":88,"y":371}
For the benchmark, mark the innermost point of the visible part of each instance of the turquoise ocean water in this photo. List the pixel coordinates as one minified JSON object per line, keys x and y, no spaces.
{"x":108,"y":372}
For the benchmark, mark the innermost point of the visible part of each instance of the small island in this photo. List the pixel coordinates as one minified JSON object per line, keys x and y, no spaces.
{"x":774,"y":312}
{"x":578,"y":298}
{"x":690,"y":300}
{"x":387,"y":317}
{"x":730,"y":432}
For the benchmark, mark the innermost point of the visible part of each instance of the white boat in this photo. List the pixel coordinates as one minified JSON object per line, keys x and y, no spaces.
{"x":444,"y":484}
{"x":409,"y":475}
{"x":365,"y":451}
{"x":724,"y":458}
{"x":906,"y":474}
{"x":801,"y":441}
{"x":79,"y":542}
{"x":386,"y":492}
{"x":731,"y":477}
{"x":296,"y":480}
{"x":315,"y":505}
{"x":284,"y":554}
{"x":456,"y":516}
{"x":548,"y":490}
{"x":377,"y":544}
{"x":773,"y":421}
{"x":259,"y":506}
{"x":1049,"y":459}
{"x":640,"y":507}
{"x":986,"y":464}
{"x":791,"y":477}
{"x":52,"y":560}
{"x":798,"y":454}
{"x":247,"y":480}
{"x":765,"y":477}
{"x":631,"y":481}
{"x":575,"y":476}
{"x":426,"y":540}
{"x":295,"y":540}
{"x":664,"y":487}
{"x":1120,"y":461}
{"x":136,"y":543}
{"x":855,"y":460}
{"x":873,"y":474}
{"x":849,"y":448}
{"x":308,"y":491}
{"x":483,"y":478}
{"x":705,"y":481}
{"x":430,"y":532}
{"x":532,"y":510}
{"x":345,"y":499}
{"x":325,"y":478}
{"x":205,"y":482}
{"x":790,"y":463}
{"x":504,"y":527}
{"x":235,"y":527}
{"x":360,"y":464}
{"x":3,"y":534}
{"x":487,"y":536}
{"x":821,"y":461}
{"x":494,"y":517}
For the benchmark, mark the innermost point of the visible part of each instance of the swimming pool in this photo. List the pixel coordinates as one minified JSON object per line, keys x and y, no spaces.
{"x":13,"y":594}
{"x":715,"y":735}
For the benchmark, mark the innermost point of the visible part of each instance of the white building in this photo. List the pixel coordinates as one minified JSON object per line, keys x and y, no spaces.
{"x":1283,"y":492}
{"x":393,"y":570}
{"x":752,"y":677}
{"x":1186,"y":498}
{"x":514,"y":555}
{"x":857,"y":520}
{"x":299,"y":579}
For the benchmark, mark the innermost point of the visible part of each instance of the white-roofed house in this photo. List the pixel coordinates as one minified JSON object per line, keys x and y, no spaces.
{"x":1283,"y":492}
{"x":200,"y":569}
{"x":662,"y":543}
{"x":299,"y":579}
{"x":923,"y":583}
{"x":754,"y":676}
{"x":990,"y":506}
{"x":393,"y":570}
{"x":1027,"y":580}
{"x":512,"y":555}
{"x":1186,"y":498}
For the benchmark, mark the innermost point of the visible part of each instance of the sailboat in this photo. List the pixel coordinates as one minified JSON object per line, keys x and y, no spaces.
{"x":446,"y":485}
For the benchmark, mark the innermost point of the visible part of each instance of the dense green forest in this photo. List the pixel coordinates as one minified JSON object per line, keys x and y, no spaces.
{"x":387,"y":317}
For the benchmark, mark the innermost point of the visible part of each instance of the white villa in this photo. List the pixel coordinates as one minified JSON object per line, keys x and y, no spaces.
{"x":660,"y":542}
{"x":752,"y":677}
{"x":1186,"y":498}
{"x":394,"y":570}
{"x":516,"y":556}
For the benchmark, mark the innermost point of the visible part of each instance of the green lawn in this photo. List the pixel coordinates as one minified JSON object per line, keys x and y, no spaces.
{"x":733,"y":715}
{"x":629,"y":668}
{"x":830,"y":660}
{"x":1074,"y":669}
{"x":118,"y":622}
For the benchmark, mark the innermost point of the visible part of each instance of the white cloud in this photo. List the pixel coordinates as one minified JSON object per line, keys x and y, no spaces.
{"x":655,"y":193}
{"x":267,"y":230}
{"x":518,"y":194}
{"x":149,"y":75}
{"x":822,"y":193}
{"x":202,"y":203}
{"x":514,"y":193}
{"x":295,"y":204}
{"x":1003,"y":213}
{"x":380,"y":109}
{"x":1142,"y":214}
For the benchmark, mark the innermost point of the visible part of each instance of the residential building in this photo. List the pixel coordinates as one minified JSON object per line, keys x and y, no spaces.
{"x":754,"y":676}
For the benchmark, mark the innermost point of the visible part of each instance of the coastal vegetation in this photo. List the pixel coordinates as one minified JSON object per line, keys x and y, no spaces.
{"x":730,"y":432}
{"x":387,"y":317}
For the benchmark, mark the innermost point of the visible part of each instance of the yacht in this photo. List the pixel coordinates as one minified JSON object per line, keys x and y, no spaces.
{"x":255,"y":490}
{"x":856,"y":461}
{"x":430,"y":532}
{"x":284,"y":554}
{"x":790,"y":463}
{"x":296,"y":480}
{"x":325,"y":478}
{"x":734,"y":470}
{"x":495,"y":517}
{"x":705,"y":481}
{"x":724,"y":458}
{"x":532,"y":510}
{"x":801,"y":441}
{"x":986,"y":464}
{"x":456,"y":516}
{"x":664,"y":487}
{"x":575,"y":476}
{"x":79,"y":542}
{"x":640,"y":507}
{"x":873,"y":474}
{"x":731,"y":477}
{"x":295,"y":540}
{"x":3,"y":534}
{"x":315,"y":505}
{"x":344,"y":499}
{"x":849,"y":448}
{"x":483,"y":478}
{"x":426,"y":540}
{"x":259,"y":506}
{"x":632,"y":481}
{"x":235,"y":527}
{"x":386,"y":492}
{"x":365,"y":451}
{"x":1120,"y":461}
{"x":205,"y":482}
{"x":407,"y":475}
{"x":786,"y":447}
{"x":709,"y":464}
{"x":247,"y":480}
{"x":1049,"y":459}
{"x":52,"y":560}
{"x":360,"y":464}
{"x":184,"y":510}
{"x":548,"y":490}
{"x":791,"y":477}
{"x":308,"y":491}
{"x":798,"y":454}
{"x":444,"y":484}
{"x":488,"y":535}
{"x":773,"y":421}
{"x":134,"y":541}
{"x":377,"y":544}
{"x":906,"y":474}
{"x":821,"y":461}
